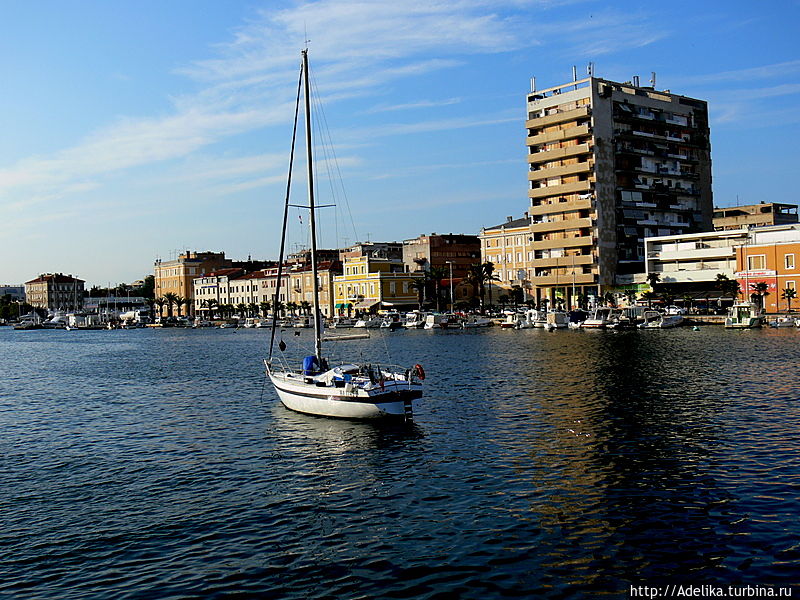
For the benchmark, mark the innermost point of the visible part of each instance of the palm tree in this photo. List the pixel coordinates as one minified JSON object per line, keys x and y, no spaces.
{"x":653,"y":279}
{"x":241,"y":308}
{"x":265,"y":306}
{"x":687,"y":302}
{"x":488,"y":269}
{"x":211,"y":303}
{"x":305,"y":306}
{"x":180,"y":301}
{"x":437,"y":274}
{"x":170,"y":300}
{"x":278,"y":307}
{"x":476,"y":275}
{"x":649,"y":296}
{"x":291,"y":307}
{"x":160,"y":302}
{"x":788,"y":294}
{"x":420,"y":284}
{"x":252,"y":309}
{"x":610,"y":299}
{"x":503,"y":300}
{"x":760,"y":289}
{"x":630,"y":297}
{"x":729,"y":287}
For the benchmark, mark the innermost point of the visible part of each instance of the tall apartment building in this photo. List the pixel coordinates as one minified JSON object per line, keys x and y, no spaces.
{"x":610,"y":164}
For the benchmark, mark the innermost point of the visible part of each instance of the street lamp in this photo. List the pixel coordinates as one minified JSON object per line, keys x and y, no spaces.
{"x":452,"y":304}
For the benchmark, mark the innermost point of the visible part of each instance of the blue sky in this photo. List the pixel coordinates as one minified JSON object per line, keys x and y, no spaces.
{"x":133,"y":130}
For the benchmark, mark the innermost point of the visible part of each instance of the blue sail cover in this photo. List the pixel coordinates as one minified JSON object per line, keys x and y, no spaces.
{"x":310,"y":365}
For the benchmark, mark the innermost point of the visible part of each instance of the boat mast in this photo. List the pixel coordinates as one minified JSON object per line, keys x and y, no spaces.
{"x":312,"y":211}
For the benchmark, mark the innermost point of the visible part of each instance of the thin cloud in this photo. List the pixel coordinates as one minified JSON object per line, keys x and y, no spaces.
{"x":414,"y":105}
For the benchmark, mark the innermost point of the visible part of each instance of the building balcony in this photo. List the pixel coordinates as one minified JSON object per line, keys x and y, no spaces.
{"x":562,"y":261}
{"x":572,"y":242}
{"x":562,"y":117}
{"x":564,"y":280}
{"x":561,"y":190}
{"x":561,"y":225}
{"x":556,"y":136}
{"x":559,"y":207}
{"x":559,"y":153}
{"x":582,"y":167}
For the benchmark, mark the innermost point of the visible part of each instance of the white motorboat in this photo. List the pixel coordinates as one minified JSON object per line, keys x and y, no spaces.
{"x":512,"y":321}
{"x":556,"y":319}
{"x":434,"y":321}
{"x":600,"y":318}
{"x":783,"y":322}
{"x":369,"y":322}
{"x":342,"y":322}
{"x":365,"y":391}
{"x":415,"y":319}
{"x":475,"y":321}
{"x":391,"y":321}
{"x":654,"y":319}
{"x":743,"y":315}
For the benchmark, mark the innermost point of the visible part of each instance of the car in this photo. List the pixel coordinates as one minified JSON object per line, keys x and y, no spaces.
{"x":675,"y":310}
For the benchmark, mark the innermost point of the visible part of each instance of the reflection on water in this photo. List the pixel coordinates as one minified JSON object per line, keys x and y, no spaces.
{"x":565,"y":464}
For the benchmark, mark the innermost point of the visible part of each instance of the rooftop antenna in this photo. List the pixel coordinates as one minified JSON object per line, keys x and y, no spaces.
{"x":533,"y":84}
{"x":653,"y":79}
{"x":590,"y":69}
{"x":635,"y":81}
{"x":575,"y":75}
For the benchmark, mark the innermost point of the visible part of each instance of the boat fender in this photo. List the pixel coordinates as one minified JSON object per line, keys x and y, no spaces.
{"x":419,"y":372}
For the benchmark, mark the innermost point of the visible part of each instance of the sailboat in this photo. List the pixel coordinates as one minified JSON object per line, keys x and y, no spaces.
{"x":355,"y":391}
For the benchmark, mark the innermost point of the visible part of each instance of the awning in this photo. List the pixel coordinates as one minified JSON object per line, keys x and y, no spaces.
{"x":365,"y":304}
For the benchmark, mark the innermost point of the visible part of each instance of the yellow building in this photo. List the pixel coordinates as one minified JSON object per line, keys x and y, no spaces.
{"x":300,"y":289}
{"x":370,"y":284}
{"x":177,"y":276}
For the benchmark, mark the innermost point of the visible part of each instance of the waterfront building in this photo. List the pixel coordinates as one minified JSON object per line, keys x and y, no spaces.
{"x":458,"y":251}
{"x":509,"y":247}
{"x":689,"y":264}
{"x":388,"y":250}
{"x":301,"y":289}
{"x":55,"y":291}
{"x":371,"y":283}
{"x":177,"y":276}
{"x":754,"y":215}
{"x":771,"y":256}
{"x":610,"y":164}
{"x":17,"y":292}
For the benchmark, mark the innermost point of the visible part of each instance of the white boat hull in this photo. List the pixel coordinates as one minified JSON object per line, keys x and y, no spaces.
{"x":338,"y":402}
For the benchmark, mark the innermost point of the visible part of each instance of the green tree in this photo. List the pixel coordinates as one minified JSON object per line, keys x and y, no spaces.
{"x":179,"y":302}
{"x":649,"y":296}
{"x":265,"y":306}
{"x":437,"y":274}
{"x":161,"y":303}
{"x":654,"y":279}
{"x":630,"y":297}
{"x":241,"y":309}
{"x":305,"y":306}
{"x":760,"y":290}
{"x":476,"y":276}
{"x":252,"y":309}
{"x":170,"y":299}
{"x":488,"y":269}
{"x":503,"y":300}
{"x":788,"y":294}
{"x":420,"y":285}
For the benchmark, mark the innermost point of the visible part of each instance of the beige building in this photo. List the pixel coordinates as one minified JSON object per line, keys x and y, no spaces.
{"x":610,"y":164}
{"x":369,"y":284}
{"x":754,"y":215}
{"x":177,"y":276}
{"x":55,"y":291}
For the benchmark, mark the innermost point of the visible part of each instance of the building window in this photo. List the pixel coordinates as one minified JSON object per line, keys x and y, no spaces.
{"x":756,"y":263}
{"x":788,"y":260}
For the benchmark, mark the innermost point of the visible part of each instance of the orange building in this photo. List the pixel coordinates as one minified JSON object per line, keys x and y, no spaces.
{"x":771,"y":256}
